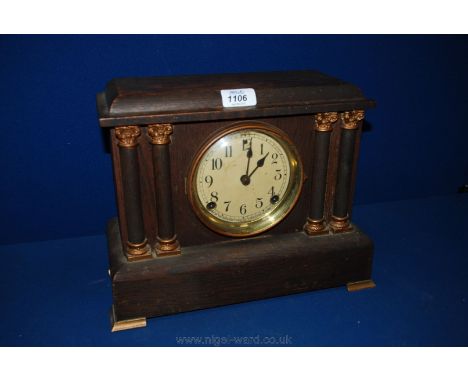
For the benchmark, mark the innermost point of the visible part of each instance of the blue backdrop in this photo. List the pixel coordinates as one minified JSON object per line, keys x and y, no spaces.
{"x":56,"y":176}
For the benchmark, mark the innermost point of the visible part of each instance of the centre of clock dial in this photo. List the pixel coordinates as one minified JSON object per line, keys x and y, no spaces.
{"x":243,"y":176}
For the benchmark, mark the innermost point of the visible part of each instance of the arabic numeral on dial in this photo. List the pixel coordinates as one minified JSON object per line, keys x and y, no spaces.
{"x":243,"y":209}
{"x":228,"y":151}
{"x":214,"y":196}
{"x":259,"y":203}
{"x":274,"y":156}
{"x":227,"y":205}
{"x":209,"y":180}
{"x":278,"y":175}
{"x":274,"y":198}
{"x":216,"y":164}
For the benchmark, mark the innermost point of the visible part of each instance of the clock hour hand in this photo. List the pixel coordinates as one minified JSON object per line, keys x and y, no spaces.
{"x":260,"y":163}
{"x":245,"y":179}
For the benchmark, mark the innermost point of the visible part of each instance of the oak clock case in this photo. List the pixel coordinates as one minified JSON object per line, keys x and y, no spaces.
{"x":219,"y":205}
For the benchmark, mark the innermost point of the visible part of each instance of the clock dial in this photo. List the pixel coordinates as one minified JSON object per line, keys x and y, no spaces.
{"x":245,"y":180}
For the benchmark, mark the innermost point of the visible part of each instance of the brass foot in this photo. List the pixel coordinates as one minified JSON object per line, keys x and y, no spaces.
{"x":126,"y":324}
{"x":360,"y":285}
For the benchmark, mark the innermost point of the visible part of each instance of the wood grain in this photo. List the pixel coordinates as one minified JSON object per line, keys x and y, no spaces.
{"x":197,"y":98}
{"x":240,"y":270}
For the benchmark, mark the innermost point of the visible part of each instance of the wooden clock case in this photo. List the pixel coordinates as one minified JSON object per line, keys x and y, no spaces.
{"x":163,"y":260}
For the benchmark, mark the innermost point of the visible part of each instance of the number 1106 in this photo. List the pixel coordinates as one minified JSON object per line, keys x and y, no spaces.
{"x":238,"y":98}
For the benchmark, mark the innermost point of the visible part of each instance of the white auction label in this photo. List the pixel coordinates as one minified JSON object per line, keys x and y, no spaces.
{"x":238,"y":97}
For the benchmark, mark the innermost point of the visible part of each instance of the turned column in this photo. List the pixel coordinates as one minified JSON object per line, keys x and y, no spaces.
{"x":316,"y":224}
{"x":349,"y":129}
{"x":167,"y":243}
{"x":137,"y":247}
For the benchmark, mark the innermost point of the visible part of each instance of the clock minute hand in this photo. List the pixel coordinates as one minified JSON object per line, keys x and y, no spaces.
{"x":245,"y":179}
{"x":260,"y":163}
{"x":249,"y":155}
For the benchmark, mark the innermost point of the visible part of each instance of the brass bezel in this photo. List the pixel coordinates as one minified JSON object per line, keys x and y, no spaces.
{"x":264,"y":223}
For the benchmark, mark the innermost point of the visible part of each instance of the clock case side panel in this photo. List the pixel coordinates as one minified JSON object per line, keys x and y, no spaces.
{"x":118,"y":186}
{"x":357,"y":146}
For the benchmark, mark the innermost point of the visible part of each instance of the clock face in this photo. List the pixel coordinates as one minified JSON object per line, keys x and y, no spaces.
{"x":245,"y":180}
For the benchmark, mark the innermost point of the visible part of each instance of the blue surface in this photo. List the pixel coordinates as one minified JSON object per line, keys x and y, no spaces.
{"x":58,"y":292}
{"x":57,"y":178}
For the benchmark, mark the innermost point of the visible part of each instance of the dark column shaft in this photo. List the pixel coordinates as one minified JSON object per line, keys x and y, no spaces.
{"x":167,"y":244}
{"x":162,"y":175}
{"x":131,"y":189}
{"x":319,"y":174}
{"x":344,"y":174}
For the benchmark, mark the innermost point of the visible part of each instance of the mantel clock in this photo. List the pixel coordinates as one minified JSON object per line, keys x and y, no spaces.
{"x":231,"y":188}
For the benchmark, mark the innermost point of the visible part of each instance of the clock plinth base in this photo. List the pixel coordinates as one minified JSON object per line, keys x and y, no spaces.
{"x":233,"y":271}
{"x":360,"y":285}
{"x":133,"y":323}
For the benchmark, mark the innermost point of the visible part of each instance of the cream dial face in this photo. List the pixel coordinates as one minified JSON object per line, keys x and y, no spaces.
{"x":246,"y":181}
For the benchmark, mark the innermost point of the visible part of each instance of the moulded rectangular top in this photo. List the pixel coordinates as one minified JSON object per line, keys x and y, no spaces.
{"x":144,"y":100}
